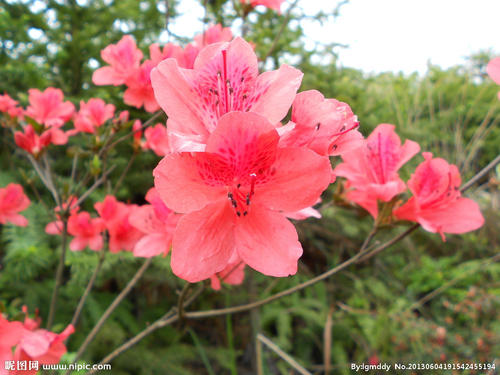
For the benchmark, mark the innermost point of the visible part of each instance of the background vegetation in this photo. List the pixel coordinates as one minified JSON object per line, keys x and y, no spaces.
{"x":379,"y":310}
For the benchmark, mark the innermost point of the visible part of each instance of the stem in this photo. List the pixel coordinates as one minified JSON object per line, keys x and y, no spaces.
{"x":480,"y":174}
{"x":288,"y":359}
{"x":92,"y":188}
{"x":59,"y":274}
{"x":110,"y":310}
{"x":280,"y":32}
{"x":365,"y":254}
{"x":122,"y":138}
{"x":169,"y":318}
{"x":124,"y":173}
{"x":88,"y":289}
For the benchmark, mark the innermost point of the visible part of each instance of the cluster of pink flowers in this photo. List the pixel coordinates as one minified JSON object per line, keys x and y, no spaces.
{"x":372,"y":178}
{"x":233,"y":171}
{"x":125,"y":66}
{"x":24,"y":343}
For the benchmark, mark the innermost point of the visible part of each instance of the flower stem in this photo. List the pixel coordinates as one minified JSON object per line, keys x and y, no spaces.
{"x":110,"y":310}
{"x":88,"y":289}
{"x":59,"y":274}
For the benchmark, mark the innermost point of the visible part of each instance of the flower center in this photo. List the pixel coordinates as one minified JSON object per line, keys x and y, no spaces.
{"x":240,"y":200}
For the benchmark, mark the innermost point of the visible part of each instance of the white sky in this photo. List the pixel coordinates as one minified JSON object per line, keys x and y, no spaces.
{"x":392,"y":35}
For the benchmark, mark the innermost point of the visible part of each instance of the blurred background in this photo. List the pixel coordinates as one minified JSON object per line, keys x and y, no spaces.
{"x":418,"y":65}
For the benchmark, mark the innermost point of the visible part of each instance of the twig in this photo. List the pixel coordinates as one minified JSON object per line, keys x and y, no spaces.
{"x":110,"y":310}
{"x":92,"y":188}
{"x":169,"y":318}
{"x":88,"y":289}
{"x":124,"y":173}
{"x":369,"y":253}
{"x":73,"y":166}
{"x":281,"y":30}
{"x":144,"y":126}
{"x":59,"y":274}
{"x":327,"y":341}
{"x":288,"y":359}
{"x":480,"y":174}
{"x":452,"y":282}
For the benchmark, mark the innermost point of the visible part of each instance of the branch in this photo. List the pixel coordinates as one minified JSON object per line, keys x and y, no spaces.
{"x":59,"y":274}
{"x":110,"y":310}
{"x":480,"y":174}
{"x":169,"y":318}
{"x":123,"y":137}
{"x":88,"y":289}
{"x":281,"y":30}
{"x":288,"y":359}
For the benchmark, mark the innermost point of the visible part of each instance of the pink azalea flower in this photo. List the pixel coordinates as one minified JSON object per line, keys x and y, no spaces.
{"x":31,"y":343}
{"x":214,"y":34}
{"x":158,"y":223}
{"x":140,"y":92}
{"x":233,"y":274}
{"x":48,"y":107}
{"x":115,"y":215}
{"x":156,"y":139}
{"x":372,"y":169}
{"x":493,"y":70}
{"x":56,"y":227}
{"x":43,"y":346}
{"x":326,"y":126}
{"x":233,"y":196}
{"x":12,"y":201}
{"x":123,"y":57}
{"x":10,"y":335}
{"x":271,"y":4}
{"x":30,"y":141}
{"x":86,"y":232}
{"x":93,"y":114}
{"x":9,"y":106}
{"x":224,"y":79}
{"x":437,"y":204}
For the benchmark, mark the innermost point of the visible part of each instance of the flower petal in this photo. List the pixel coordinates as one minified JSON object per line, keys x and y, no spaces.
{"x":203,"y":242}
{"x":300,"y":176}
{"x":268,"y":242}
{"x":180,"y":185}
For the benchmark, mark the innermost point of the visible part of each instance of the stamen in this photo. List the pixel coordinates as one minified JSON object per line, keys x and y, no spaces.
{"x":225,"y":80}
{"x":343,"y":131}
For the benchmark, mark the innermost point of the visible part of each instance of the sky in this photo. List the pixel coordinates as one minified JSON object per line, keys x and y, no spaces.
{"x":392,"y":35}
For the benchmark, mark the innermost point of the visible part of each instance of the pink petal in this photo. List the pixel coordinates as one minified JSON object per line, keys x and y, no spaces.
{"x":78,"y":244}
{"x":180,"y":185}
{"x":106,"y":76}
{"x":300,"y":177}
{"x":203,"y":242}
{"x":364,"y":199}
{"x":152,"y":245}
{"x":268,"y":242}
{"x":17,"y":219}
{"x":276,"y":100}
{"x":36,"y":343}
{"x":176,"y":97}
{"x":459,"y":217}
{"x":96,"y":242}
{"x":493,"y":70}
